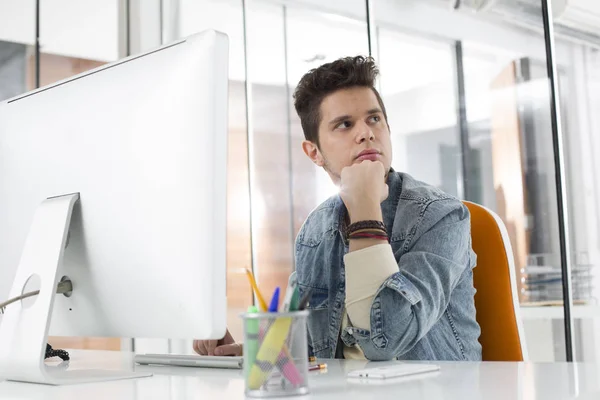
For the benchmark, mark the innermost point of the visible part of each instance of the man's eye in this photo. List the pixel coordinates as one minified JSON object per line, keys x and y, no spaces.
{"x":375,"y":118}
{"x":344,"y":125}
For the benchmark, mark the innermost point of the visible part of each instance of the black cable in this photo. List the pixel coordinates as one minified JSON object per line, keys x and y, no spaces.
{"x":63,"y":287}
{"x":50,"y":353}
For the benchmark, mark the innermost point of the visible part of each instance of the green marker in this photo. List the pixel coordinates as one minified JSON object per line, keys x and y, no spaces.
{"x":294,"y":302}
{"x":251,"y":345}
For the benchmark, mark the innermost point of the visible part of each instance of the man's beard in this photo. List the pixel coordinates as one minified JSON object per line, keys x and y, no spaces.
{"x":337,"y":178}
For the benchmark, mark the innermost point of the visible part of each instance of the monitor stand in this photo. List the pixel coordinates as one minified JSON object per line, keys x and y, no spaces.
{"x":25,"y":324}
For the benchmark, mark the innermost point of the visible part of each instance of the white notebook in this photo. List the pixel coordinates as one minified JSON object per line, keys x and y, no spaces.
{"x":182,"y":360}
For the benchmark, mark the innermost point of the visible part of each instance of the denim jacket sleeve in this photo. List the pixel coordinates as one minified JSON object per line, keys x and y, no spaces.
{"x":412,"y":300}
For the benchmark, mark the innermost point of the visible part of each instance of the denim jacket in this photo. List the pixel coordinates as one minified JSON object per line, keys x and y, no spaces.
{"x":426,"y":310}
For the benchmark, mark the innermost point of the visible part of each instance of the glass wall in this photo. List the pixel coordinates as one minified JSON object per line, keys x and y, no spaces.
{"x":495,"y":148}
{"x":418,"y":87}
{"x":317,"y":33}
{"x":271,"y":181}
{"x":283,"y":42}
{"x":469,"y":107}
{"x":579,"y":100}
{"x":17,"y":35}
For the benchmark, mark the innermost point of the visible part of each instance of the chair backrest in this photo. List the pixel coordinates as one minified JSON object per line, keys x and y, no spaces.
{"x":496,"y":301}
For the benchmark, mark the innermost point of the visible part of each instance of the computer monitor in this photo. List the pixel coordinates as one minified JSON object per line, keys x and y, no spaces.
{"x":116,"y":179}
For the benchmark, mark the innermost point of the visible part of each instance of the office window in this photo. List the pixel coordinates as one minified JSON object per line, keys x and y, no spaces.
{"x":579,"y":100}
{"x":17,"y":35}
{"x":418,"y":87}
{"x":74,"y":37}
{"x":318,"y":33}
{"x":508,"y":159}
{"x":13,"y":58}
{"x":269,"y":134}
{"x":284,"y":42}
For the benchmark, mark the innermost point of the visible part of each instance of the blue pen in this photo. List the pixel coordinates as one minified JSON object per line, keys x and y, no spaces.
{"x":274,"y":300}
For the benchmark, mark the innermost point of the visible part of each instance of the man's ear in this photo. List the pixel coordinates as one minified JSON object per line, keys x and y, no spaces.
{"x":312,"y":151}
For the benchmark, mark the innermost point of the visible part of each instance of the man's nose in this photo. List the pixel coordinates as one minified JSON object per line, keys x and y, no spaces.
{"x":364,"y":133}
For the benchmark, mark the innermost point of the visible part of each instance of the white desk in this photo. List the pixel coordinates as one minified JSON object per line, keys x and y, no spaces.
{"x":461,"y":381}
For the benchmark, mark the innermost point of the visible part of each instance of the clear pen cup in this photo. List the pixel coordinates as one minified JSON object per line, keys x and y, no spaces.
{"x":275,"y":354}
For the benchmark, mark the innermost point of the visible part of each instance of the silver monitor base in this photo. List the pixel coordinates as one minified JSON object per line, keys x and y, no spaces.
{"x":25,"y":324}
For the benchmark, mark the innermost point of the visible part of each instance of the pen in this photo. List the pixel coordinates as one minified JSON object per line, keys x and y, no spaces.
{"x":261,"y":300}
{"x":274,"y":300}
{"x":317,"y":367}
{"x":294,"y":300}
{"x":284,"y":364}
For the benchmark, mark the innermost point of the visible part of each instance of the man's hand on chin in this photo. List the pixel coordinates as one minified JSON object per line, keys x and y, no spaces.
{"x":363,"y":189}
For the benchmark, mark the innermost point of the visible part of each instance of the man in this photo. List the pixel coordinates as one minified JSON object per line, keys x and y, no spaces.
{"x":388,"y":261}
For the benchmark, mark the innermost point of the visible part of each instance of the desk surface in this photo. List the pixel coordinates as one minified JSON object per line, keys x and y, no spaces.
{"x":462,"y":381}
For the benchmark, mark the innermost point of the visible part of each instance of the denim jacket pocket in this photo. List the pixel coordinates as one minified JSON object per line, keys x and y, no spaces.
{"x":311,"y":238}
{"x":311,"y":250}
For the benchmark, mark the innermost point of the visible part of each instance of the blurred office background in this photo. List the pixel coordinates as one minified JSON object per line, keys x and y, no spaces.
{"x":468,"y":99}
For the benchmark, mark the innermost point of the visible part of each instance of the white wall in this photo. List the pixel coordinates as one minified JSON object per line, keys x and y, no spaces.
{"x":421,"y":109}
{"x":17,"y":21}
{"x":75,"y":28}
{"x":355,"y":9}
{"x":421,"y":119}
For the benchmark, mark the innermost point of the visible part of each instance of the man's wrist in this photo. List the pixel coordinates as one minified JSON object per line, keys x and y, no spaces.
{"x":365,"y":212}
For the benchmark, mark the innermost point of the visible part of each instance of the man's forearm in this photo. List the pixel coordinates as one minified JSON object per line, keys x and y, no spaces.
{"x":366,"y":270}
{"x":367,"y":267}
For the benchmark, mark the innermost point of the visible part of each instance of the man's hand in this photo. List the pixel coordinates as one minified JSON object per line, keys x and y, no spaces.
{"x":224,"y":347}
{"x":363,"y":189}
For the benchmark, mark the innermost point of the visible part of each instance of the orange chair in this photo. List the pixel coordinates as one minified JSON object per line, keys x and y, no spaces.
{"x":496,"y":301}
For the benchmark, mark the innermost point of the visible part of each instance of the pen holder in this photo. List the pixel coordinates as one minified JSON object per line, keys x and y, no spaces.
{"x":275,"y":354}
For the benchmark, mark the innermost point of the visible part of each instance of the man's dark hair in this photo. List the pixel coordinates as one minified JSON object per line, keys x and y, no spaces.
{"x":318,"y":83}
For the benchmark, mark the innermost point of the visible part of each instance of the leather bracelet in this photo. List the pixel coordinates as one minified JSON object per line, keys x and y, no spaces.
{"x":368,"y":224}
{"x":375,"y":231}
{"x":369,"y":236}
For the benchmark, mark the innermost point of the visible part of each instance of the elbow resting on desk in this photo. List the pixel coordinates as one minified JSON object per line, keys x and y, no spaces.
{"x":391,"y":335}
{"x":402,"y":313}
